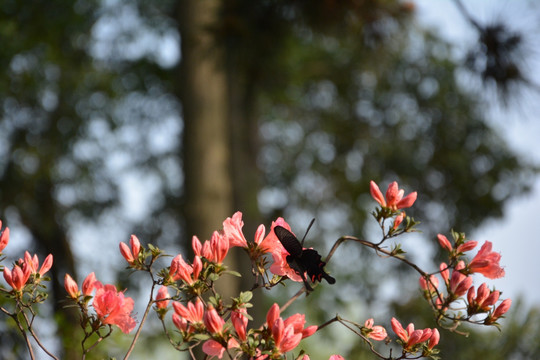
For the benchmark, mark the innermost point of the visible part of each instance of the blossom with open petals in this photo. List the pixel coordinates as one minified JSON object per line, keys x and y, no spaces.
{"x":482,"y":300}
{"x":113,"y":308}
{"x":486,"y":262}
{"x":376,"y":332}
{"x":192,"y":312}
{"x":279,"y":254}
{"x":33,"y":263}
{"x":18,"y":276}
{"x":394,"y":196}
{"x":4,"y":238}
{"x":409,"y":336}
{"x":232,"y":227}
{"x":287,"y":333}
{"x":180,"y":269}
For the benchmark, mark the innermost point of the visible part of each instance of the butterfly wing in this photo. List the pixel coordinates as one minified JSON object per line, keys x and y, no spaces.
{"x":289,"y":241}
{"x":311,"y":261}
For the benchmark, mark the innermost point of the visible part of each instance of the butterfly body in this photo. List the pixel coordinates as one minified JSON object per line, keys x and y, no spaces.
{"x":302,"y":260}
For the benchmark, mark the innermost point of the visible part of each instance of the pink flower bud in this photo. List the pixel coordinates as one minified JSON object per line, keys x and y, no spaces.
{"x":196,"y":245}
{"x":71,"y":287}
{"x":376,"y":193}
{"x":162,"y":293}
{"x":467,"y":246}
{"x":89,"y":284}
{"x":126,"y":253}
{"x":434,"y":340}
{"x":444,"y":242}
{"x":47,"y":264}
{"x":501,"y":309}
{"x":272,"y":315}
{"x":135,"y":246}
{"x":213,"y":322}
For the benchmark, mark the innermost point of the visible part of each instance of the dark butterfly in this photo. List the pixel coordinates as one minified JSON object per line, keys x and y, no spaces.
{"x":302,"y":260}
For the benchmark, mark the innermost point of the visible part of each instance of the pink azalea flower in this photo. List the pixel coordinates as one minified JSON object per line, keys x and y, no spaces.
{"x":89,"y":284}
{"x":434,"y":339}
{"x":483,"y":299}
{"x":4,"y":238}
{"x":163,"y":293}
{"x":240,"y":321}
{"x":131,"y":255}
{"x":336,"y":357}
{"x":445,"y":273}
{"x":33,"y":263}
{"x":486,"y":262}
{"x":180,"y":270}
{"x":287,"y":333}
{"x":501,"y":310}
{"x":192,"y":312}
{"x":459,"y":283}
{"x":18,"y":277}
{"x":376,"y":332}
{"x":113,"y":308}
{"x":429,"y":285}
{"x":394,"y":196}
{"x":232,"y":227}
{"x":444,"y":242}
{"x":398,"y":220}
{"x":213,"y":322}
{"x":279,"y":254}
{"x":213,"y":348}
{"x":71,"y":287}
{"x":409,"y":336}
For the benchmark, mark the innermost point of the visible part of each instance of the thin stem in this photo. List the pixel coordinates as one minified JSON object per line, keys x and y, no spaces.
{"x":34,"y":335}
{"x":146,"y":312}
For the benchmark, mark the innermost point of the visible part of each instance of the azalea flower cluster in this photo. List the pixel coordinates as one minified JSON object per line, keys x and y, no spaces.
{"x":457,"y":278}
{"x":456,"y":274}
{"x":193,"y":313}
{"x":111,"y":307}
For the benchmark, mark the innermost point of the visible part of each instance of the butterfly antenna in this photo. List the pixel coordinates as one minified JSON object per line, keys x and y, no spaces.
{"x":309,"y":227}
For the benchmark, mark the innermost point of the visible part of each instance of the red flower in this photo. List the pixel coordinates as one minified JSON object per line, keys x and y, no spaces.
{"x":486,"y":262}
{"x":394,"y":196}
{"x":444,"y":242}
{"x":113,"y":308}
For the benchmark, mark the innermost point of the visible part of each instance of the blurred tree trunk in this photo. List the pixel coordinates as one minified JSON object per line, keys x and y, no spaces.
{"x":208,"y":192}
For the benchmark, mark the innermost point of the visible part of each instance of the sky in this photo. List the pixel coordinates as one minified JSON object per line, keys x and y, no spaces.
{"x":514,"y":235}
